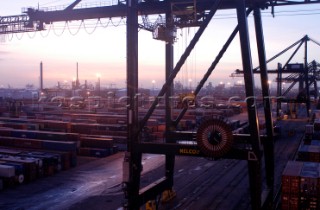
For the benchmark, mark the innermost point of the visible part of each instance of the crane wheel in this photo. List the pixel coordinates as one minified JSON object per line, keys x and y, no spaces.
{"x":214,"y":138}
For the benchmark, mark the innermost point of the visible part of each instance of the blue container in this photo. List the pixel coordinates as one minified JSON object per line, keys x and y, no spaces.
{"x":59,"y":145}
{"x":51,"y":136}
{"x":24,"y":134}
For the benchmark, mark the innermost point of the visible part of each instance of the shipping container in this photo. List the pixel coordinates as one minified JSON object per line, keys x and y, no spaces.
{"x":301,"y":186}
{"x":315,"y":142}
{"x":309,"y":191}
{"x":57,"y":136}
{"x":309,"y":153}
{"x":11,"y":151}
{"x":7,"y":171}
{"x":30,"y":166}
{"x":14,"y":125}
{"x":95,"y":152}
{"x":23,"y":134}
{"x":7,"y":141}
{"x":50,"y":162}
{"x":27,"y":143}
{"x":19,"y":172}
{"x":59,"y":145}
{"x":96,"y":142}
{"x":5,"y":131}
{"x":291,"y":177}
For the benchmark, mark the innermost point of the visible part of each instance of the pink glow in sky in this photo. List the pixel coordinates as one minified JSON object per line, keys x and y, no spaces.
{"x":104,"y":51}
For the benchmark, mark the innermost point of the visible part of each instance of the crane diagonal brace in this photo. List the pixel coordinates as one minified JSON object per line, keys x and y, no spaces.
{"x":71,"y":6}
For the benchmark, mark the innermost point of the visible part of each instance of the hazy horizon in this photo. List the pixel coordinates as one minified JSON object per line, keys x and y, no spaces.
{"x":102,"y":50}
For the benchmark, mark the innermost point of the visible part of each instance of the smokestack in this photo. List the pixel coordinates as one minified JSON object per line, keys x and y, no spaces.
{"x":41,"y":76}
{"x":77,"y":79}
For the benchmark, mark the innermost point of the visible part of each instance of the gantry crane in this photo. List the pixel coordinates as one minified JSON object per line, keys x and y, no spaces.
{"x":214,"y":139}
{"x":305,"y":74}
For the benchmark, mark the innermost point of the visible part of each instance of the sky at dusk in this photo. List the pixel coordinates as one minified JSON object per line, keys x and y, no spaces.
{"x":102,"y":50}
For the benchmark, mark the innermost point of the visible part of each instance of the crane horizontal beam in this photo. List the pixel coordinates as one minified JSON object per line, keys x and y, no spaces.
{"x":146,"y":8}
{"x":36,"y":17}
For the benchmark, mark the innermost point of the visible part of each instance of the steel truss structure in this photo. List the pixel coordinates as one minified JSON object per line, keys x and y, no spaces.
{"x":178,"y":14}
{"x":305,"y":74}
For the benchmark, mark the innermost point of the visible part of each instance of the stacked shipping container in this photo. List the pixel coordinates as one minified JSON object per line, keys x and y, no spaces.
{"x":300,"y":186}
{"x":301,"y":177}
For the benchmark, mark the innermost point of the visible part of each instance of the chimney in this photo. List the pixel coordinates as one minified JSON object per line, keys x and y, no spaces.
{"x":41,"y":76}
{"x":77,"y":79}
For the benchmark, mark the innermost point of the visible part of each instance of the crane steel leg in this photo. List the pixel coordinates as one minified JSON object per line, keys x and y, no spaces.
{"x":279,"y":89}
{"x":134,"y":166}
{"x":254,"y":162}
{"x":269,"y":144}
{"x":170,"y":159}
{"x":307,"y":77}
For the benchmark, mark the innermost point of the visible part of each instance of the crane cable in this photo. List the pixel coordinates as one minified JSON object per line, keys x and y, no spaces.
{"x":48,"y":31}
{"x":104,"y":26}
{"x":191,"y":63}
{"x":194,"y":63}
{"x":54,"y":30}
{"x":94,"y":28}
{"x":77,"y":30}
{"x":186,"y":63}
{"x":187,"y":74}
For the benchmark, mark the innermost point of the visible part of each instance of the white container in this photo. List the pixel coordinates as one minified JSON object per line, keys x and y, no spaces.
{"x":7,"y":171}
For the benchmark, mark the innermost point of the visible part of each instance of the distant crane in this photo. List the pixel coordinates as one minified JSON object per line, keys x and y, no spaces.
{"x":304,"y":74}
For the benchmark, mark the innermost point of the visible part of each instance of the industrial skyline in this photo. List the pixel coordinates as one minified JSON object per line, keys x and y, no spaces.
{"x":102,"y":49}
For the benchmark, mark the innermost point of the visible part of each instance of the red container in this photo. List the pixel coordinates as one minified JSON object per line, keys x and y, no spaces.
{"x":6,"y":141}
{"x":5,"y":131}
{"x":291,"y":178}
{"x":28,"y":143}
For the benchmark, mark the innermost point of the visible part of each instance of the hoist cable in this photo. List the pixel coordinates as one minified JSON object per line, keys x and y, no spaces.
{"x":48,"y":31}
{"x":77,"y":31}
{"x":31,"y":36}
{"x":116,"y":25}
{"x":94,"y":28}
{"x":105,"y":26}
{"x":54,"y":30}
{"x":19,"y":38}
{"x":10,"y":38}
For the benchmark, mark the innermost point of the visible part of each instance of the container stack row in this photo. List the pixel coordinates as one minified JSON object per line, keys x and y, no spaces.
{"x":49,"y":139}
{"x":29,"y":151}
{"x":23,"y":165}
{"x":301,"y":186}
{"x":301,"y":176}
